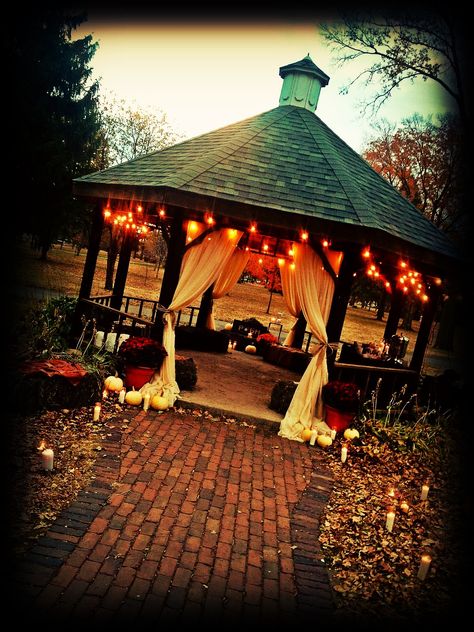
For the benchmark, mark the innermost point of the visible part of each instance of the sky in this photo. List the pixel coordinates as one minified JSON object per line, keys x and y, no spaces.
{"x":208,"y":74}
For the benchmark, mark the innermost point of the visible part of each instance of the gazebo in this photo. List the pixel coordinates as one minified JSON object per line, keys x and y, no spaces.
{"x":279,"y":183}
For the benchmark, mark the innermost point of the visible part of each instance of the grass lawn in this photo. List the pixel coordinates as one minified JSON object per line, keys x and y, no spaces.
{"x":62,"y":273}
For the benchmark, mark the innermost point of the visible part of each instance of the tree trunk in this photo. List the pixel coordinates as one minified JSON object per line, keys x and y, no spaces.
{"x":408,"y":317}
{"x":381,"y":305}
{"x":112,"y":254}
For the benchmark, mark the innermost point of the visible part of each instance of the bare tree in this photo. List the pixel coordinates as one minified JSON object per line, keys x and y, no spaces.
{"x":400,"y":47}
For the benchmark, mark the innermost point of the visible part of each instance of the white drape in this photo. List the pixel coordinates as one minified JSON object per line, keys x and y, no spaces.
{"x":291,"y":298}
{"x":310,"y":286}
{"x":228,"y":277}
{"x":202,"y":264}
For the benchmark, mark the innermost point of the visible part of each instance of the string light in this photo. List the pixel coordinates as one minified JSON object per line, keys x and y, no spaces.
{"x":253,"y":228}
{"x":325,"y":243}
{"x":139,"y":208}
{"x":366,"y":253}
{"x":126,"y":221}
{"x":161,"y":212}
{"x":304,"y":236}
{"x":210,"y":220}
{"x":265,"y":247}
{"x":281,"y":262}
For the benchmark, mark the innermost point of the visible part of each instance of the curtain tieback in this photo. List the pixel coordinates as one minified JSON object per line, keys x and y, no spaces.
{"x":169,"y":317}
{"x":330,"y":347}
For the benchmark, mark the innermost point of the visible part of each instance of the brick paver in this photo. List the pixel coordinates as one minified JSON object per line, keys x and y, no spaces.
{"x":188,"y":519}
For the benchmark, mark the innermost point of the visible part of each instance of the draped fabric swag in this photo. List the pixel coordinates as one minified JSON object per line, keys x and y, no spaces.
{"x":201,"y":266}
{"x":228,"y":277}
{"x":308,"y":287}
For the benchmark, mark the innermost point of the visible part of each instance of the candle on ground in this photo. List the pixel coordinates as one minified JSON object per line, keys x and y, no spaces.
{"x":424,"y":492}
{"x":392,"y":492}
{"x":333,"y":434}
{"x":234,"y":344}
{"x":404,"y":506}
{"x":314,"y":436}
{"x":343,"y":454}
{"x":97,"y":409}
{"x":122,"y":396}
{"x":104,"y":394}
{"x":47,"y":459}
{"x":146,"y":401}
{"x":230,"y":348}
{"x":390,"y":520}
{"x":424,"y":566}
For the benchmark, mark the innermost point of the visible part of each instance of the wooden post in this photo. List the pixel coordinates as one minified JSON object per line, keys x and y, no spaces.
{"x":422,"y":338}
{"x":342,"y":293}
{"x":396,"y":306}
{"x":92,"y":251}
{"x":205,"y":308}
{"x":176,"y":247}
{"x":88,"y":273}
{"x":122,"y":270}
{"x":299,"y":332}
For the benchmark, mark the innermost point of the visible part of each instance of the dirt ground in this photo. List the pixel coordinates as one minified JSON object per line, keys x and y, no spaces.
{"x":249,"y":395}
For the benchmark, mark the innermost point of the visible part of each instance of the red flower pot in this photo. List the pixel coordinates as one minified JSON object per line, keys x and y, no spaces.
{"x":337,"y":419}
{"x":137,"y":376}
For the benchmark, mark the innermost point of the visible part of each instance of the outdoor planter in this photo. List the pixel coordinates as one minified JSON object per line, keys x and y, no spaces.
{"x":137,"y":376}
{"x":337,"y":419}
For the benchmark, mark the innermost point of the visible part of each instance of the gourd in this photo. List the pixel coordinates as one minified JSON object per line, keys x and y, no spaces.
{"x":250,"y":349}
{"x":159,"y":403}
{"x":113,"y":383}
{"x":351,"y":433}
{"x":324,"y":441}
{"x":306,"y":434}
{"x":134,"y":398}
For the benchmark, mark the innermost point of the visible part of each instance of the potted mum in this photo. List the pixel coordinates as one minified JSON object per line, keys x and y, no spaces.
{"x":264,"y":341}
{"x":341,"y":402}
{"x":141,"y":357}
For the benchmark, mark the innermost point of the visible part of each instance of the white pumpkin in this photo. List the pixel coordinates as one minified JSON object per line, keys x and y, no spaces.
{"x":113,"y":383}
{"x":251,"y":349}
{"x":351,"y":433}
{"x":324,"y":441}
{"x":134,"y":398}
{"x":159,"y":403}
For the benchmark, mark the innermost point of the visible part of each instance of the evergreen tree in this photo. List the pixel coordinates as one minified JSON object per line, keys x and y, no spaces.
{"x":56,"y":114}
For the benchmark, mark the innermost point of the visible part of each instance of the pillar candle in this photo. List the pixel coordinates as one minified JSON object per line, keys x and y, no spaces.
{"x":343,"y":454}
{"x":47,"y":459}
{"x":333,"y":434}
{"x":122,"y":396}
{"x":390,"y":520}
{"x":314,"y":436}
{"x":424,"y":492}
{"x":424,"y":566}
{"x":230,"y":348}
{"x":146,"y":401}
{"x":97,"y":408}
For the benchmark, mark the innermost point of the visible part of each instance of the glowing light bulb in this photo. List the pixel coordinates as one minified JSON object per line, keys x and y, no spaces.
{"x":304,"y":236}
{"x":253,"y":228}
{"x":210,"y":221}
{"x":265,"y":247}
{"x":387,"y":284}
{"x":281,"y":262}
{"x":291,"y":252}
{"x":325,"y":243}
{"x":162,"y":213}
{"x":366,"y":253}
{"x":424,"y":298}
{"x":107,"y":213}
{"x":372,"y":267}
{"x":403,"y":264}
{"x":139,"y":208}
{"x":370,"y":272}
{"x":260,"y":260}
{"x":192,"y":227}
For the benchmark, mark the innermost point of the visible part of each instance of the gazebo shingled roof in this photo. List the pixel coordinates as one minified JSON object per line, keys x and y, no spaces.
{"x":285,"y":160}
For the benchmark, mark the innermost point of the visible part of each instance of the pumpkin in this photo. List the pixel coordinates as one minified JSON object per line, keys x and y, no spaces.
{"x":113,"y":383}
{"x":134,"y":398}
{"x":250,"y":349}
{"x":159,"y":403}
{"x":324,"y":441}
{"x":306,"y":434}
{"x":228,"y":326}
{"x":351,"y":433}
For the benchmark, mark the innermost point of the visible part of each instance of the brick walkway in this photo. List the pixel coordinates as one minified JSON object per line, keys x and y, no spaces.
{"x":188,"y":519}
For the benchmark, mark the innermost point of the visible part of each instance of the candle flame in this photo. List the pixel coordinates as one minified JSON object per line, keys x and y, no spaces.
{"x":42,"y":445}
{"x":104,"y":393}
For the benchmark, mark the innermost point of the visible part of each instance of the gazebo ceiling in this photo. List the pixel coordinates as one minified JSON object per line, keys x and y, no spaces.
{"x":284,"y":167}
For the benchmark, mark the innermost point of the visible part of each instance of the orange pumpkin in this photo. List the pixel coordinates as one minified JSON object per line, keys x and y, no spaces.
{"x":306,"y":434}
{"x":250,"y":349}
{"x":134,"y":398}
